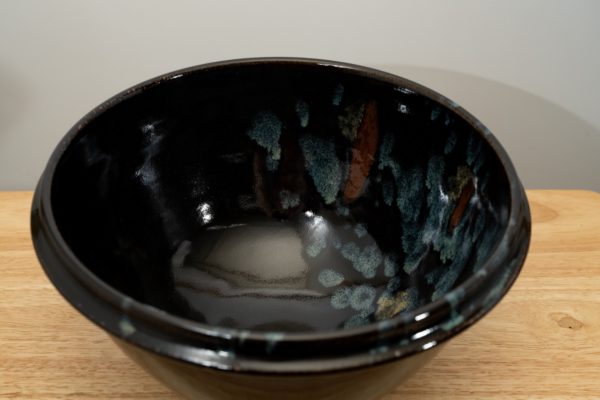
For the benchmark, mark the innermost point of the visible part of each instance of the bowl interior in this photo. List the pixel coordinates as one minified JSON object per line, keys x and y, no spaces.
{"x":281,"y":197}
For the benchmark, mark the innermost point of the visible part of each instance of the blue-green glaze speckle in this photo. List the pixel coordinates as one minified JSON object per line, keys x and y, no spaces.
{"x":323,"y":165}
{"x":455,"y":296}
{"x":435,"y":113}
{"x":266,"y":130}
{"x":350,"y":120}
{"x":437,"y":202}
{"x":360,"y":230}
{"x":338,"y":93}
{"x":330,"y":278}
{"x":387,"y":189}
{"x":386,"y":159}
{"x":410,"y":194}
{"x":390,"y":265}
{"x":342,"y":211}
{"x":351,"y":251}
{"x":126,"y":327}
{"x":303,"y":113}
{"x":369,"y":260}
{"x":450,"y":143}
{"x":394,"y":284}
{"x":474,"y":147}
{"x":364,"y":261}
{"x":455,"y":320}
{"x":448,"y":119}
{"x":362,"y":297}
{"x":341,"y":298}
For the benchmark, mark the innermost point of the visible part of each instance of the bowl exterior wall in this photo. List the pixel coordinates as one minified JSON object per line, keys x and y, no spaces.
{"x":202,"y":383}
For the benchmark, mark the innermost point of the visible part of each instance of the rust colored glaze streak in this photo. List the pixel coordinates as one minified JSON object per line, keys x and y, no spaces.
{"x":461,"y":205}
{"x":363,"y":153}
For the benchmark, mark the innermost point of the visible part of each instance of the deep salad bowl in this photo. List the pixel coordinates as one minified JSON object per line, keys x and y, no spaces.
{"x":280,"y":228}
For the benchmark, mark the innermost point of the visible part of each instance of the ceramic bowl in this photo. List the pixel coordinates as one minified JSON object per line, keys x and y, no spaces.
{"x":280,"y":228}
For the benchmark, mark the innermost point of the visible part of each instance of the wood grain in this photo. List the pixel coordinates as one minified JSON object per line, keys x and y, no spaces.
{"x":541,"y":341}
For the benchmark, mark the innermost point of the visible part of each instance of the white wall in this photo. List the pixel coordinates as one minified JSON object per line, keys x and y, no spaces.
{"x":529,"y":69}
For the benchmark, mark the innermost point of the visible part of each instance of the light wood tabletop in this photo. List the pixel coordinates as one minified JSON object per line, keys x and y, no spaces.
{"x":541,"y":341}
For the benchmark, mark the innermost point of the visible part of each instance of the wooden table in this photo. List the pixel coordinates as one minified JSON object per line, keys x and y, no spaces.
{"x":541,"y":341}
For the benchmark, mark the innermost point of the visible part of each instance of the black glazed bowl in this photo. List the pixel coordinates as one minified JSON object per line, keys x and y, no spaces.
{"x":280,"y":228}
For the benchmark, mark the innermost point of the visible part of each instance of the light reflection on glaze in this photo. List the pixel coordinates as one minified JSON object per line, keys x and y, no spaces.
{"x":205,"y":214}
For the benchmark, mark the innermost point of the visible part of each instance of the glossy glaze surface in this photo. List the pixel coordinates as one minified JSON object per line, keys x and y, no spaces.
{"x":282,"y":219}
{"x":206,"y":384}
{"x":281,"y":198}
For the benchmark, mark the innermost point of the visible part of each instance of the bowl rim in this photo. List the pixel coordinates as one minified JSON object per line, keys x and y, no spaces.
{"x":168,"y":329}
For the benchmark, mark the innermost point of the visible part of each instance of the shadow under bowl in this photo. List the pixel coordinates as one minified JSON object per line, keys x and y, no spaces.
{"x":280,"y":227}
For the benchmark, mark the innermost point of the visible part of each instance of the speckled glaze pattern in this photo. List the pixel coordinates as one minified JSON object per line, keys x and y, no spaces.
{"x":281,"y":216}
